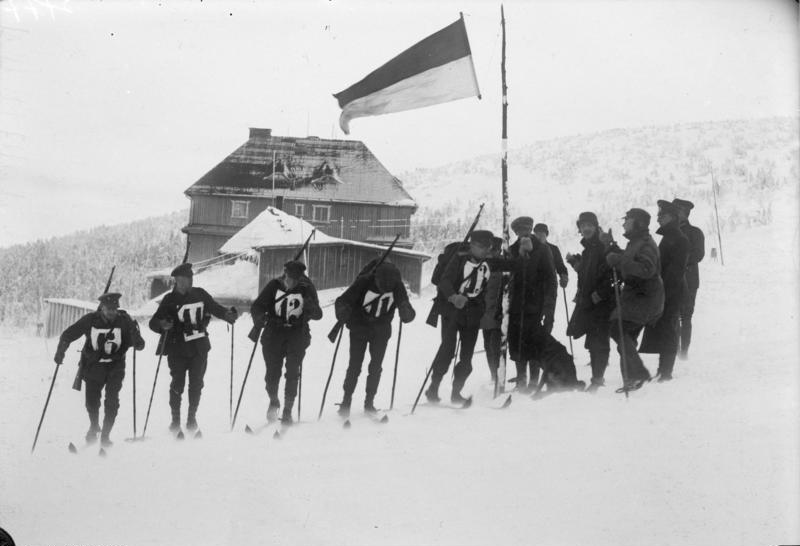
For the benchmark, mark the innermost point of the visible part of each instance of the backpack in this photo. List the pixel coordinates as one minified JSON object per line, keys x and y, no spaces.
{"x":444,"y":258}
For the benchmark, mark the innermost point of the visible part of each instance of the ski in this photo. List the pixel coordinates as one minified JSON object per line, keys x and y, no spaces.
{"x":198,"y":435}
{"x":179,"y":435}
{"x":102,"y":452}
{"x":505,"y":404}
{"x":465,"y":405}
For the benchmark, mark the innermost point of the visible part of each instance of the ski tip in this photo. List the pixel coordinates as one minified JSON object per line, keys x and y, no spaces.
{"x":467,"y":403}
{"x":198,"y":435}
{"x":507,"y":402}
{"x":346,"y":424}
{"x":277,"y":435}
{"x":385,"y":419}
{"x":180,"y":435}
{"x":248,"y":430}
{"x":102,"y":452}
{"x":72,"y":448}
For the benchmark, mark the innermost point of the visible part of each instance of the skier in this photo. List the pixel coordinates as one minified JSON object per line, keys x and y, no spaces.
{"x":182,"y":317}
{"x":462,"y":304}
{"x":367,"y":309}
{"x":283,"y":309}
{"x":492,"y":316}
{"x":662,"y":337}
{"x":541,"y":232}
{"x":109,"y":332}
{"x":532,"y":302}
{"x":594,"y":298}
{"x":696,"y":253}
{"x":642,"y":297}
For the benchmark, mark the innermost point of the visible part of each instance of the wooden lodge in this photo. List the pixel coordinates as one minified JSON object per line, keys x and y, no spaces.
{"x":338,"y":186}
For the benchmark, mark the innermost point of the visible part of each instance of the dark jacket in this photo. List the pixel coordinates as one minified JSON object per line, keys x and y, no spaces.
{"x":697,"y":250}
{"x":594,"y":275}
{"x":190,"y":314}
{"x":362,"y":304}
{"x":558,"y":261}
{"x":105,"y":341}
{"x":282,"y":309}
{"x":468,"y":277}
{"x":539,"y":281}
{"x":642,"y":294}
{"x":493,"y":314}
{"x":674,"y":251}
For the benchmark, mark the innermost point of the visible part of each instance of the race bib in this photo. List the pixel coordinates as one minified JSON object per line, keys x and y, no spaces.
{"x":191,"y":314}
{"x":106,"y":340}
{"x":377,"y":304}
{"x":288,"y":306}
{"x":475,"y":278}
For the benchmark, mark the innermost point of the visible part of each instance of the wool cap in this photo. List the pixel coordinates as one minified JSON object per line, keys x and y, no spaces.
{"x":522,"y":222}
{"x":683,"y":203}
{"x":183,"y":270}
{"x":110,"y":298}
{"x":482,"y":237}
{"x":587,"y":218}
{"x":294,"y":269}
{"x":640,"y":215}
{"x":541,"y":228}
{"x":667,"y":207}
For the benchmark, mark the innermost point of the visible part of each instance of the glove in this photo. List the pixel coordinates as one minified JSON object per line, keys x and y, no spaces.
{"x":458,"y":301}
{"x":596,"y":298}
{"x":613,"y":259}
{"x":525,"y":245}
{"x":231,"y":315}
{"x":59,"y":358}
{"x":406,"y":312}
{"x":573,"y":259}
{"x":166,"y":324}
{"x":563,"y":280}
{"x":547,"y":323}
{"x":253,"y":334}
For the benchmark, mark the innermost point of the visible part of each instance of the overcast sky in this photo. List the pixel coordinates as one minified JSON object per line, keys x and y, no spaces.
{"x":108,"y":111}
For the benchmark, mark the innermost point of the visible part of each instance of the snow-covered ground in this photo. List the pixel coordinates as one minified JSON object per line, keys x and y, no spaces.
{"x":710,"y":458}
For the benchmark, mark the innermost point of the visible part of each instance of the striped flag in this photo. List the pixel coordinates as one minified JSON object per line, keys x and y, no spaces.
{"x":437,"y":69}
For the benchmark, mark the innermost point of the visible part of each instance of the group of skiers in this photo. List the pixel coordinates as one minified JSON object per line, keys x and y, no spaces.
{"x":479,"y":287}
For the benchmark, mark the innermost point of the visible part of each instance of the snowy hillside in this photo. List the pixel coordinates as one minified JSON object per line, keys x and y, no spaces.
{"x":710,"y":458}
{"x":612,"y":171}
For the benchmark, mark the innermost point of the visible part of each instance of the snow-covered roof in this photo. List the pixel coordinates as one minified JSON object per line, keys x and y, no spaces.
{"x":273,"y":227}
{"x":81,"y":304}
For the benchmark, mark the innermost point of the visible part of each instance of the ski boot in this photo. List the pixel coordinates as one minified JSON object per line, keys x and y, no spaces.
{"x":286,"y":417}
{"x":663,"y":377}
{"x":432,"y":393}
{"x":272,"y":411}
{"x":369,"y":407}
{"x":105,"y":441}
{"x":175,"y":425}
{"x":91,"y":434}
{"x":595,"y":384}
{"x":344,"y":407}
{"x":191,"y":422}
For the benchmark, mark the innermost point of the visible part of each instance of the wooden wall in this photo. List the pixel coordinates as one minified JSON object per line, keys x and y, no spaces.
{"x":59,"y":315}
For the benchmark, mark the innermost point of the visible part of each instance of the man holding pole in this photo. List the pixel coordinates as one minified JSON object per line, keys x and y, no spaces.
{"x":182,"y":317}
{"x":283,"y":309}
{"x":641,"y":300}
{"x":367,"y":309}
{"x":109,"y":332}
{"x":697,"y":251}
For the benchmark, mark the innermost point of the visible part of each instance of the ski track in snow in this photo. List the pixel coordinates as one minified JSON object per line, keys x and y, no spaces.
{"x":710,"y":458}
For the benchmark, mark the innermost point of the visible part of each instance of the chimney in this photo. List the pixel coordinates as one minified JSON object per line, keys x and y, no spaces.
{"x":255,"y":132}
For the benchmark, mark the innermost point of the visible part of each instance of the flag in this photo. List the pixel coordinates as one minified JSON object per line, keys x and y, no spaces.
{"x":435,"y":70}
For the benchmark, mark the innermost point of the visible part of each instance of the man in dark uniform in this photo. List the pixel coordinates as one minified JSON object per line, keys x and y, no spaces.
{"x":697,"y":251}
{"x":182,"y":318}
{"x":541,"y":232}
{"x":283,"y":309}
{"x":367,"y":309}
{"x":642,"y":295}
{"x":532,"y":295}
{"x":594,"y":298}
{"x":109,"y":332}
{"x":461,"y":298}
{"x":662,"y":337}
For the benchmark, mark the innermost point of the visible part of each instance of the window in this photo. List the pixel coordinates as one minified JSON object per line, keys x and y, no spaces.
{"x":321,"y":213}
{"x":299,"y":210}
{"x":239,"y":209}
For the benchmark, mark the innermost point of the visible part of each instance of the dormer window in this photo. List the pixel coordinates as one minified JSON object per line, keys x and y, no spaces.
{"x":240,"y":209}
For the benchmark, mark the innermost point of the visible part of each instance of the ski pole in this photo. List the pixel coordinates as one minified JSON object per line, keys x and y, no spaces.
{"x":419,"y":394}
{"x":244,"y":381}
{"x":330,"y":375}
{"x":300,"y":393}
{"x":44,"y":410}
{"x":134,"y":393}
{"x":566,"y":312}
{"x":230,"y":398}
{"x":155,"y":378}
{"x":622,"y":352}
{"x":396,"y":359}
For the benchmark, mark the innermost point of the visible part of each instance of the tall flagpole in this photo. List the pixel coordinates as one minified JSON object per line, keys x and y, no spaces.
{"x":716,"y":214}
{"x":500,"y":381}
